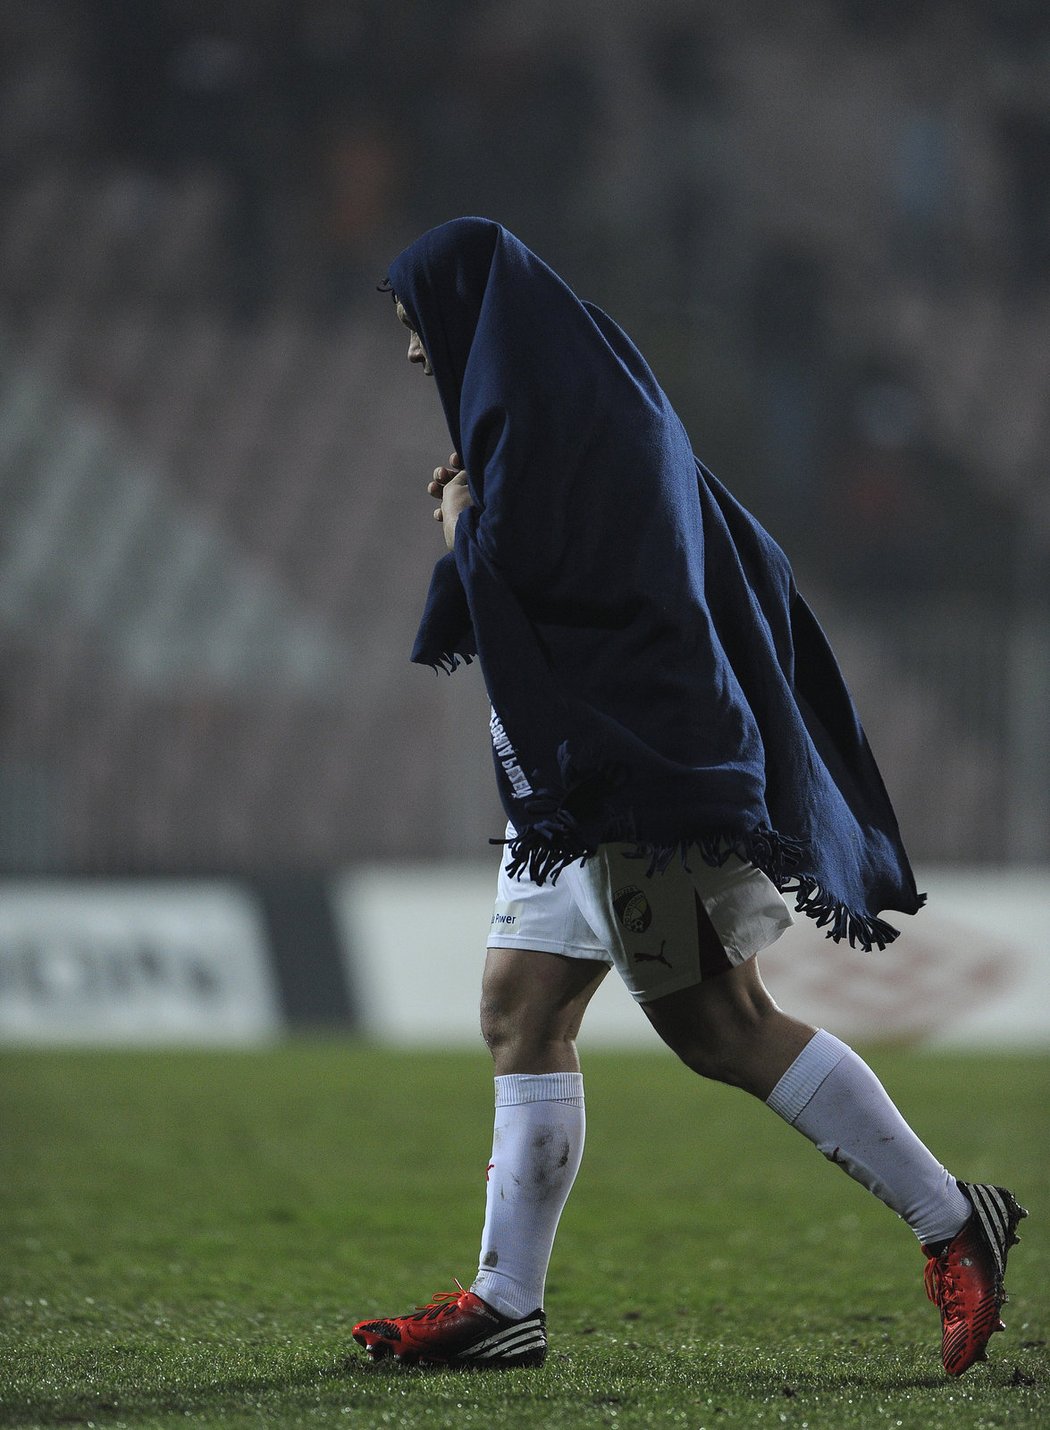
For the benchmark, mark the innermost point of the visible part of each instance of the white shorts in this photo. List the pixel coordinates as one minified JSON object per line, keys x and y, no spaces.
{"x":661,"y":934}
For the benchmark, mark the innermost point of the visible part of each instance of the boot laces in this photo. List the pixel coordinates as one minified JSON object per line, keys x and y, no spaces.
{"x":940,"y":1287}
{"x":440,"y":1304}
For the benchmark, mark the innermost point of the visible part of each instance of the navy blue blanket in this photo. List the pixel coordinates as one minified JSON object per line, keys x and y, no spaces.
{"x":655,"y":676}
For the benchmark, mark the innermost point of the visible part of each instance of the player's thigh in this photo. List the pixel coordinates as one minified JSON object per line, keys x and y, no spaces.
{"x":532,"y":993}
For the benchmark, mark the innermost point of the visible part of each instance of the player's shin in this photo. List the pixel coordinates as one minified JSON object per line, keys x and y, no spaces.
{"x":832,"y":1097}
{"x":537,"y":1146}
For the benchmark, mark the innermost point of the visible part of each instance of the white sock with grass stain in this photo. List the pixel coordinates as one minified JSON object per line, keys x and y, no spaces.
{"x":832,"y":1097}
{"x":537,"y":1145}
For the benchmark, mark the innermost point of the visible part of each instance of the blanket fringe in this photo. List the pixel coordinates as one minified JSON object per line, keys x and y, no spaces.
{"x":544,"y":850}
{"x":549,"y":845}
{"x":777,"y":855}
{"x":863,"y":931}
{"x":448,"y":661}
{"x":539,"y":859}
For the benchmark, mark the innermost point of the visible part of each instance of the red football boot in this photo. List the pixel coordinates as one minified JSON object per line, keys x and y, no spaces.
{"x":457,"y":1328}
{"x":965,"y":1279}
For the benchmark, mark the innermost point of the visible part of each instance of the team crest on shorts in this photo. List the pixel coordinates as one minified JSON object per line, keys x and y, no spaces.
{"x":632,"y":909}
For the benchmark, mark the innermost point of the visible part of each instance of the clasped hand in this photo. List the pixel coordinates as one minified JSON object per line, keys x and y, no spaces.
{"x":450,"y":484}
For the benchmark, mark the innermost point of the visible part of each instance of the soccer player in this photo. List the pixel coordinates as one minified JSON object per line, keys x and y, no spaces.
{"x":675,"y":748}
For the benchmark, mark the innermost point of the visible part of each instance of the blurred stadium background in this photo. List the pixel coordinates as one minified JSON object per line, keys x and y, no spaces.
{"x":827,"y":225}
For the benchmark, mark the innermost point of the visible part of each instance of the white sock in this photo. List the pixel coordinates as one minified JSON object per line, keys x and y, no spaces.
{"x":834,"y":1099}
{"x":537,"y":1145}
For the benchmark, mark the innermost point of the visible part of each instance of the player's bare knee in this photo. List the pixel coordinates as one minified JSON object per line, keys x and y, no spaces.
{"x":533,"y":1003}
{"x":715,"y":1027}
{"x":497,"y":1028}
{"x":707,"y":1050}
{"x":718,"y":1064}
{"x":500,"y":1014}
{"x":513,"y":1023}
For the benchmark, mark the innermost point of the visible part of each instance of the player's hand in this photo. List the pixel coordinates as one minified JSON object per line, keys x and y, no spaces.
{"x":455,"y":497}
{"x":450,"y":484}
{"x":442,"y":476}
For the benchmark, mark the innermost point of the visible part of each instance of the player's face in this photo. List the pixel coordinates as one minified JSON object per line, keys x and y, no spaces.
{"x":415,"y":347}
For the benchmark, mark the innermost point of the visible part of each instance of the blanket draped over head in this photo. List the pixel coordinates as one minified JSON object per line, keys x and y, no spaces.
{"x":655,"y":676}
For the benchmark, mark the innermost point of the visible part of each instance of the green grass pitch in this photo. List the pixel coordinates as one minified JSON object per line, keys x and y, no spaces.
{"x":187,"y":1238}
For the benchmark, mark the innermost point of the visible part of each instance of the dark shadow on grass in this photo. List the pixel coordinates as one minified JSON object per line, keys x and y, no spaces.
{"x":390,"y":1368}
{"x":146,"y":1403}
{"x":790,"y":1378}
{"x":790,"y":1384}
